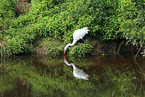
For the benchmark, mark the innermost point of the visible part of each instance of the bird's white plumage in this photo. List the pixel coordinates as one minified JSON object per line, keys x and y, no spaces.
{"x":78,"y":73}
{"x":78,"y":34}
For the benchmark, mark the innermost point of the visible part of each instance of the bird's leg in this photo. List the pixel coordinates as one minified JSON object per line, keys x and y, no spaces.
{"x":83,"y":40}
{"x":83,"y":67}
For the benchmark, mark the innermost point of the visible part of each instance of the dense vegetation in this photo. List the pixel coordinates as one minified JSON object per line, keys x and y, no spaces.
{"x":106,"y":19}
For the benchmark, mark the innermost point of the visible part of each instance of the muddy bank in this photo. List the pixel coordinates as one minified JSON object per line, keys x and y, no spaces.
{"x":50,"y":46}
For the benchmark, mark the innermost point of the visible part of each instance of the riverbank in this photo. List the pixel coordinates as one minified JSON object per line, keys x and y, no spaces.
{"x":50,"y":46}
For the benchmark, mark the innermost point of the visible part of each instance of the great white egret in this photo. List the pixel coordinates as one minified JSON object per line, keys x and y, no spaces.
{"x":77,"y":35}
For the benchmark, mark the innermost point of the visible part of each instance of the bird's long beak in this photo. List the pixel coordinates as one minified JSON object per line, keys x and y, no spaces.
{"x":64,"y":52}
{"x":64,"y":57}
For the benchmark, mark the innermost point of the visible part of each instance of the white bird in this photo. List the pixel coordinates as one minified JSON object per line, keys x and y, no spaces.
{"x":77,"y":35}
{"x":78,"y":73}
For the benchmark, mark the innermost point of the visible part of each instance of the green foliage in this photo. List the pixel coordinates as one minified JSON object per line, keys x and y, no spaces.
{"x":7,"y":8}
{"x":7,"y":14}
{"x":19,"y":40}
{"x":106,"y":19}
{"x":81,"y":50}
{"x":132,"y":26}
{"x":92,"y":14}
{"x":49,"y":46}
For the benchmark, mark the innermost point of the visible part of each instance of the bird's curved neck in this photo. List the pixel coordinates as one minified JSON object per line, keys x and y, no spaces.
{"x":74,"y":41}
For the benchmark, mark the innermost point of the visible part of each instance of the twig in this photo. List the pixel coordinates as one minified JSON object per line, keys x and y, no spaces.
{"x":137,"y":52}
{"x":120,"y":45}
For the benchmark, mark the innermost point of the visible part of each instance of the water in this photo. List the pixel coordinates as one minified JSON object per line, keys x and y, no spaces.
{"x":95,"y":76}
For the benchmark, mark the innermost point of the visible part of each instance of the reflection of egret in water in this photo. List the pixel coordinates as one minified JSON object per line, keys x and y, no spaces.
{"x":78,"y":73}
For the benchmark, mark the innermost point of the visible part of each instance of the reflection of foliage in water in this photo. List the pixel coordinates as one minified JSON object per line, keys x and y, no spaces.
{"x":51,"y":61}
{"x":6,"y":83}
{"x":58,"y":80}
{"x":46,"y":83}
{"x":81,"y":61}
{"x":121,"y":82}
